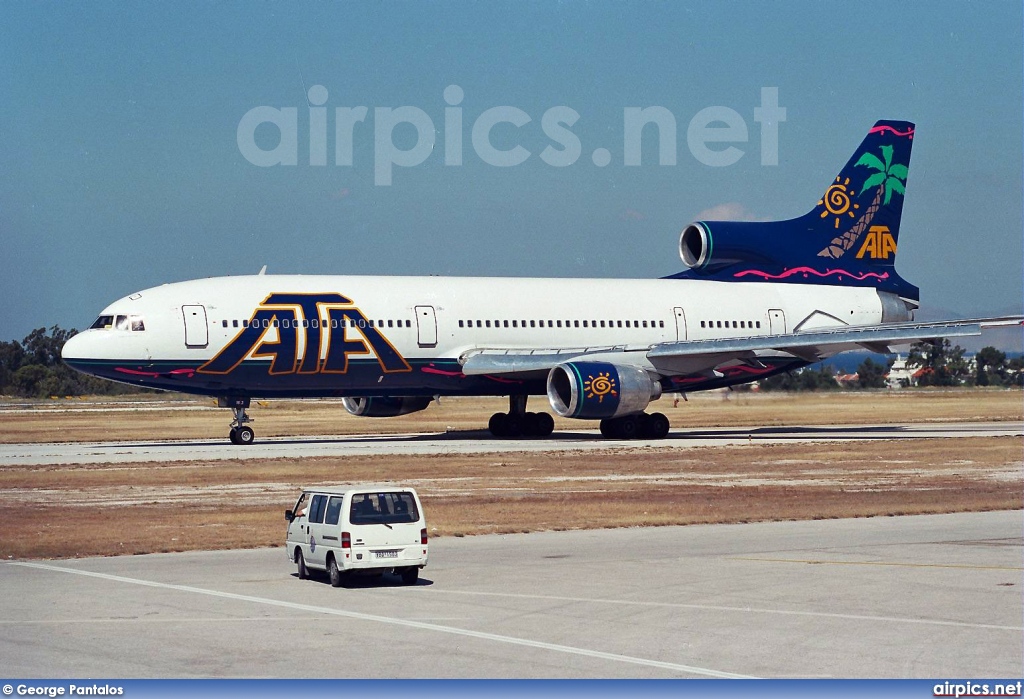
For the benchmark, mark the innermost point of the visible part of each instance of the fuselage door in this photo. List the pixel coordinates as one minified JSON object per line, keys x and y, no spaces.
{"x":426,"y":326}
{"x":197,"y":333}
{"x":680,"y":324}
{"x":776,"y":322}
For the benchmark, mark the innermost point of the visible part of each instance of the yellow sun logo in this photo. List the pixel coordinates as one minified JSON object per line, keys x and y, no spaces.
{"x":837,"y":201}
{"x":600,"y":387}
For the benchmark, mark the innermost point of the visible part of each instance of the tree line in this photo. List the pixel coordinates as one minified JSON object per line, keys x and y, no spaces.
{"x":937,"y":363}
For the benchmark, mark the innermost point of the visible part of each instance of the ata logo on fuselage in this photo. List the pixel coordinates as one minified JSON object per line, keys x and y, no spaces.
{"x":878,"y":244}
{"x":309,"y":335}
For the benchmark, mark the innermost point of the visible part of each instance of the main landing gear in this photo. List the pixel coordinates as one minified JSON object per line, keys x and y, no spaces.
{"x":240,"y":432}
{"x":638,"y":426}
{"x":519,"y":423}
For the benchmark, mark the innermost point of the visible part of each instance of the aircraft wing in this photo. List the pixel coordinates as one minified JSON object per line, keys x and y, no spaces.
{"x":700,"y":355}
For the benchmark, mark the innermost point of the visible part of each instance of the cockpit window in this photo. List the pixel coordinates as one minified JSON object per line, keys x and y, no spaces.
{"x":133,"y":323}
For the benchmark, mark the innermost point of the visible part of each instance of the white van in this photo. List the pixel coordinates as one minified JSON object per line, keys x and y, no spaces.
{"x":358,"y":530}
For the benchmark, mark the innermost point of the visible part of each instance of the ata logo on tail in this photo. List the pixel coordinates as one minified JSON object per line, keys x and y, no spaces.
{"x":878,"y":244}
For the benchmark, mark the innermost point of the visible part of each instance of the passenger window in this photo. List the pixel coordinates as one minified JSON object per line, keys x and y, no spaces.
{"x":333,"y":511}
{"x":316,"y":509}
{"x":234,"y":323}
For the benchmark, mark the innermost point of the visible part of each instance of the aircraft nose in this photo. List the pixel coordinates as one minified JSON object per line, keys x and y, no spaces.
{"x":76,"y":349}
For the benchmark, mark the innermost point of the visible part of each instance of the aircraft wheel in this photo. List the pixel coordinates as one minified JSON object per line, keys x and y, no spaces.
{"x":657,"y":426}
{"x":233,"y":435}
{"x":498,"y":424}
{"x":545,"y":425}
{"x":514,"y":425}
{"x":531,"y":425}
{"x":629,"y":426}
{"x":609,"y":428}
{"x":244,"y":435}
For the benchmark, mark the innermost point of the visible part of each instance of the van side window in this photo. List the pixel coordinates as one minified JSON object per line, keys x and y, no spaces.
{"x":333,"y":511}
{"x":316,"y":509}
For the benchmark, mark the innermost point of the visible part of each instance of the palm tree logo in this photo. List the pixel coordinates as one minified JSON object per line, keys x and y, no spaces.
{"x":888,"y":177}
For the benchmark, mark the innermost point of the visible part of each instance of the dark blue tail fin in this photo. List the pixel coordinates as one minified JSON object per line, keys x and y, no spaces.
{"x":864,"y":204}
{"x":850,"y":237}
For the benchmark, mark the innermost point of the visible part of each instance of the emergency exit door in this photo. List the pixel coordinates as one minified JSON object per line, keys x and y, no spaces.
{"x":426,"y":326}
{"x":197,"y":333}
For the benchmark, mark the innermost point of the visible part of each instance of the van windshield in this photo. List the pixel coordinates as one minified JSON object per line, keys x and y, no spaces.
{"x":383,"y":508}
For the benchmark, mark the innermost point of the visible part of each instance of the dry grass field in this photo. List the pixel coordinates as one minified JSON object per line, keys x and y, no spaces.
{"x":108,"y":509}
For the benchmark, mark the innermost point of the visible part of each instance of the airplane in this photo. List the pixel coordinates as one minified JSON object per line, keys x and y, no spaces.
{"x":755,"y":299}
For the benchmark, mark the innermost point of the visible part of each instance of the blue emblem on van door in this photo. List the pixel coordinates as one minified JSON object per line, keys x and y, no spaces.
{"x":312,"y":544}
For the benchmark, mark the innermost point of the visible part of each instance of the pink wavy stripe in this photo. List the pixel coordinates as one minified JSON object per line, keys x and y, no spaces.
{"x":885,"y":127}
{"x":810,"y":270}
{"x":188,"y":373}
{"x":133,"y":372}
{"x":441,"y":372}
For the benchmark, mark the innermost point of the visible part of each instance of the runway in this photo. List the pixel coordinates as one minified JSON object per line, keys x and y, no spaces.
{"x":929,"y":596}
{"x":470,"y":442}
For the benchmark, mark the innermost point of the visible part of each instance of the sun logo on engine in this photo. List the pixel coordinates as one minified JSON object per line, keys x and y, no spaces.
{"x":600,"y":387}
{"x":837,"y":201}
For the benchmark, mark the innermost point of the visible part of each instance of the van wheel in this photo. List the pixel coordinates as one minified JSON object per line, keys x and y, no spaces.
{"x":303,"y":570}
{"x":333,"y":573}
{"x":410,"y":575}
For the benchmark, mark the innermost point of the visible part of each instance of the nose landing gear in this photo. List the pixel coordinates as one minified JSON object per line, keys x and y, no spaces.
{"x":240,"y":432}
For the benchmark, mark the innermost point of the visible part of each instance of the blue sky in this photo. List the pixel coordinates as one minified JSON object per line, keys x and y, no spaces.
{"x":120,"y":166}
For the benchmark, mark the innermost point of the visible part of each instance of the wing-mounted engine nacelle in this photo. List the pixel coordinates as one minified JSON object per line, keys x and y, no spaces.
{"x":708,"y":246}
{"x":379,"y":406}
{"x":599,"y":390}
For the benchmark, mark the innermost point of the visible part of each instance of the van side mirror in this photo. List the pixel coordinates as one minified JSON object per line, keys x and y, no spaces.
{"x":289,"y":515}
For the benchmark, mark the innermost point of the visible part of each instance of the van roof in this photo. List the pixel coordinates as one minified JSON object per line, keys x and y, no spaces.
{"x":358,"y":488}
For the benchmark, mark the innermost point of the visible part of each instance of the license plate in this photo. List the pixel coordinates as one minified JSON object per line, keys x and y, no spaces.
{"x":386,"y":554}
